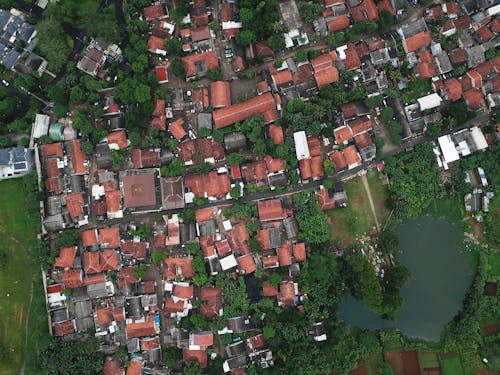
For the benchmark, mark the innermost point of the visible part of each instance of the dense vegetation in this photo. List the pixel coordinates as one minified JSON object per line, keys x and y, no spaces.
{"x":68,"y":357}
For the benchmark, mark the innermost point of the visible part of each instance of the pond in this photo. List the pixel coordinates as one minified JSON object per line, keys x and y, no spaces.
{"x":440,"y":277}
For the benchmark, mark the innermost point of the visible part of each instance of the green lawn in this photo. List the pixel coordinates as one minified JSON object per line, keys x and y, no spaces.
{"x":493,"y":267}
{"x":18,"y":233}
{"x":450,"y":365}
{"x":428,"y":359}
{"x":357,"y":218}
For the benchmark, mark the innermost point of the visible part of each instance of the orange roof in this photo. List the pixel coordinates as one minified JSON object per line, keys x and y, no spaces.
{"x":485,"y":69}
{"x":113,"y":367}
{"x":210,"y":184}
{"x":269,"y":290}
{"x":183,"y":292}
{"x":352,"y":156}
{"x":474,"y":98}
{"x":173,"y":267}
{"x":110,"y":236}
{"x":77,"y":157}
{"x":199,"y":96}
{"x":156,"y":43}
{"x":52,"y":168}
{"x":263,"y":104}
{"x":338,"y":23}
{"x":138,"y":250}
{"x":271,"y":210}
{"x":191,"y":61}
{"x":150,"y":343}
{"x":257,"y":342}
{"x":66,"y":257}
{"x":127,"y":276}
{"x":426,"y":70}
{"x":452,"y":90}
{"x":235,"y":172}
{"x":113,"y":201}
{"x":145,"y":158}
{"x":211,"y":301}
{"x":139,"y":190}
{"x":74,"y":203}
{"x":352,"y":60}
{"x":256,"y":171}
{"x":280,"y":77}
{"x":173,"y":307}
{"x":475,"y":78}
{"x":64,"y":328}
{"x":220,"y":94}
{"x":386,"y":5}
{"x":263,"y":239}
{"x":89,"y":237}
{"x":158,"y":123}
{"x":286,"y":294}
{"x":363,"y":141}
{"x":246,"y":264}
{"x":314,"y":144}
{"x":53,"y":149}
{"x":338,"y":159}
{"x":238,"y":239}
{"x":452,"y":8}
{"x":324,"y":70}
{"x":106,"y":315}
{"x":134,"y":367}
{"x":204,"y":214}
{"x":285,"y":255}
{"x":202,"y":339}
{"x":177,"y":129}
{"x":118,"y":137}
{"x":141,"y":328}
{"x":223,"y":247}
{"x":360,"y":125}
{"x":484,"y":34}
{"x":274,"y":164}
{"x":153,"y":12}
{"x":342,"y":134}
{"x":299,"y":251}
{"x":72,"y":278}
{"x":94,"y":279}
{"x":425,"y":56}
{"x":52,"y":185}
{"x":276,"y":134}
{"x":199,"y":356}
{"x":325,"y":201}
{"x":418,"y":41}
{"x":317,"y":166}
{"x":366,"y":10}
{"x":270,"y":261}
{"x":159,"y":109}
{"x":200,"y":33}
{"x":262,"y":87}
{"x":305,"y":169}
{"x":91,"y":262}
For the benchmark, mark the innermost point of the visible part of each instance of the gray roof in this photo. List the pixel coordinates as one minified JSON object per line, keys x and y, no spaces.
{"x":207,"y":228}
{"x":97,"y":290}
{"x":274,"y":237}
{"x":235,"y":349}
{"x":413,"y":28}
{"x":291,"y":227}
{"x":234,"y":141}
{"x":4,"y":18}
{"x":4,"y":156}
{"x":133,"y":307}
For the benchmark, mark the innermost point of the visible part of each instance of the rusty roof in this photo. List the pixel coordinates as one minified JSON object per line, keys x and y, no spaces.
{"x":143,"y":328}
{"x":89,"y":237}
{"x":338,"y":23}
{"x":72,"y":278}
{"x":66,"y":257}
{"x":246,"y":264}
{"x":209,"y":58}
{"x":366,"y":10}
{"x":220,"y":94}
{"x":269,"y":290}
{"x":64,"y":328}
{"x":78,"y":157}
{"x":109,"y":237}
{"x":139,"y":190}
{"x":173,"y":267}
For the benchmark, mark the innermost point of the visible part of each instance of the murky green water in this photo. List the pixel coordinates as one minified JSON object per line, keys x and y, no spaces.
{"x":440,"y":278}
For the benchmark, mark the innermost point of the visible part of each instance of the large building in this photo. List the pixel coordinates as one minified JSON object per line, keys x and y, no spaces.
{"x":140,"y":189}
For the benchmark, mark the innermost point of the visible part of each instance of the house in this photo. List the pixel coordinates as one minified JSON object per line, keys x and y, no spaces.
{"x":176,"y":128}
{"x":16,"y":162}
{"x":474,"y":99}
{"x":276,"y":134}
{"x":451,"y":90}
{"x":97,"y":56}
{"x":199,"y":64}
{"x":234,"y":141}
{"x":363,"y":10}
{"x":352,"y":157}
{"x":230,"y":18}
{"x":414,"y":35}
{"x":220,"y":94}
{"x":210,"y":185}
{"x":288,"y":293}
{"x":272,"y":209}
{"x":172,"y":192}
{"x":178,"y":267}
{"x":324,"y":69}
{"x":265,"y":105}
{"x":211,"y":302}
{"x":161,"y":72}
{"x":140,"y":189}
{"x":325,"y":199}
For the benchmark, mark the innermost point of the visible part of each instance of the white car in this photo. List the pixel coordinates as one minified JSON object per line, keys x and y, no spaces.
{"x":5,"y":83}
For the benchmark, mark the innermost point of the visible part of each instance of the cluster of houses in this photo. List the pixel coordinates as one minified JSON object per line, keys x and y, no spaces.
{"x":477,"y":201}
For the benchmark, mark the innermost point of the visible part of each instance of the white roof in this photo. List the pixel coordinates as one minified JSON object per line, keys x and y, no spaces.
{"x":464,"y":148}
{"x":429,"y":101}
{"x":493,"y":10}
{"x":478,"y":137}
{"x":447,"y":146}
{"x":231,"y":25}
{"x":41,"y":126}
{"x":301,"y":147}
{"x":228,"y":262}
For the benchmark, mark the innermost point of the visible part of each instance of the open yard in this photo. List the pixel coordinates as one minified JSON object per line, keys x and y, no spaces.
{"x":450,"y":364}
{"x":348,"y":223}
{"x":428,"y":360}
{"x":16,"y":278}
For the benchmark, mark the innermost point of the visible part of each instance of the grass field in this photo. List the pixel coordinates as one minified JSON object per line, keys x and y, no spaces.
{"x":428,"y":360}
{"x":450,"y":365}
{"x":18,"y":233}
{"x":493,"y":268}
{"x":357,"y":218}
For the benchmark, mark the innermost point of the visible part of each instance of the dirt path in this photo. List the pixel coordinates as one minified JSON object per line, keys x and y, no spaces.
{"x":21,"y":372}
{"x":372,"y":206}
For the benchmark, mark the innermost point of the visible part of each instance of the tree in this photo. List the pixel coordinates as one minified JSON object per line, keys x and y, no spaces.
{"x":140,"y":271}
{"x":235,"y":192}
{"x":52,"y":42}
{"x":178,"y":68}
{"x":198,"y":321}
{"x":215,"y":74}
{"x":176,"y":168}
{"x":174,"y":46}
{"x":158,"y":257}
{"x":276,"y":42}
{"x":235,"y":158}
{"x":275,"y":279}
{"x":387,"y":114}
{"x":192,"y":368}
{"x":81,"y":122}
{"x":68,"y":357}
{"x":268,"y":332}
{"x":396,"y":276}
{"x":172,"y":356}
{"x":200,"y":276}
{"x":142,"y":93}
{"x":313,"y":222}
{"x":374,"y":101}
{"x":117,"y":158}
{"x":309,"y":11}
{"x":301,"y":56}
{"x":69,"y":237}
{"x":295,"y":105}
{"x":395,"y":130}
{"x":385,"y":22}
{"x":245,"y":38}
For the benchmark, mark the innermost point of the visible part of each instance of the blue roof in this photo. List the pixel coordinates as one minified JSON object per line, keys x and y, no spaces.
{"x":4,"y":18}
{"x":4,"y":156}
{"x":18,"y":154}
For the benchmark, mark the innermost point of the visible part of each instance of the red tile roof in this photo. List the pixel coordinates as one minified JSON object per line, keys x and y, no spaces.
{"x":366,"y":10}
{"x":150,"y":343}
{"x":286,"y":294}
{"x":262,"y":87}
{"x":138,"y":250}
{"x":418,"y":41}
{"x":270,"y":261}
{"x":495,"y":25}
{"x":200,"y":97}
{"x":64,"y":328}
{"x":338,"y":23}
{"x":352,"y":60}
{"x":220,"y":94}
{"x":238,"y":239}
{"x":202,"y":339}
{"x":363,"y":141}
{"x":269,"y":290}
{"x":425,"y":56}
{"x":325,"y":201}
{"x":183,"y":292}
{"x":342,"y":134}
{"x":235,"y":172}
{"x":280,"y":77}
{"x":200,"y":33}
{"x":77,"y":157}
{"x":91,"y":262}
{"x":106,"y":315}
{"x":209,"y":184}
{"x":458,"y":56}
{"x":72,"y":279}
{"x":173,"y":267}
{"x":177,"y":129}
{"x":52,"y":168}
{"x":204,"y":214}
{"x":89,"y":237}
{"x":264,"y":105}
{"x":75,"y":203}
{"x":485,"y":69}
{"x":159,"y":108}
{"x":474,"y":98}
{"x":139,"y":190}
{"x":451,"y":90}
{"x":352,"y":156}
{"x":360,"y":125}
{"x":348,"y":109}
{"x":173,"y":307}
{"x":386,"y":5}
{"x":113,"y":201}
{"x":263,"y":50}
{"x":274,"y":165}
{"x":324,"y":70}
{"x":113,"y":367}
{"x":199,"y":356}
{"x":255,"y":172}
{"x":484,"y":34}
{"x":162,"y":73}
{"x":338,"y":159}
{"x":153,"y":12}
{"x":246,"y":264}
{"x":223,"y":247}
{"x":426,"y":70}
{"x":285,"y":255}
{"x":141,"y":328}
{"x":314,"y":144}
{"x":452,"y":8}
{"x":263,"y":239}
{"x":276,"y":134}
{"x":53,"y":149}
{"x":94,"y":279}
{"x":134,"y":367}
{"x":52,"y":185}
{"x":66,"y":258}
{"x":299,"y":251}
{"x":272,"y":210}
{"x":462,"y":22}
{"x":109,"y":237}
{"x":118,"y":137}
{"x":211,"y":301}
{"x":156,"y":43}
{"x":475,"y":78}
{"x":190,"y":62}
{"x":127,"y":276}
